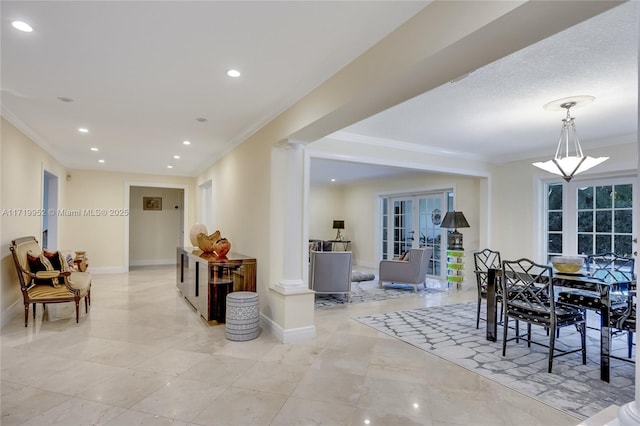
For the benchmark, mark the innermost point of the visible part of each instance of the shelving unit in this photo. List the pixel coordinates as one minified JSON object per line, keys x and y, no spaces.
{"x":455,"y":267}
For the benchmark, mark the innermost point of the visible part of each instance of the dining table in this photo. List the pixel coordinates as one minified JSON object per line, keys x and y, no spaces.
{"x":580,"y":280}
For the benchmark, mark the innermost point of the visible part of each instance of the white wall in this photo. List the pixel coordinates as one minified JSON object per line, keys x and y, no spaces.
{"x":154,"y":234}
{"x":326,"y":204}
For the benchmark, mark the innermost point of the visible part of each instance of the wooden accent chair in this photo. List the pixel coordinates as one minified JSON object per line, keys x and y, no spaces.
{"x":53,"y":285}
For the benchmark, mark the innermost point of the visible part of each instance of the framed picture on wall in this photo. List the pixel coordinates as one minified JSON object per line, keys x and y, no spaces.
{"x":151,"y":203}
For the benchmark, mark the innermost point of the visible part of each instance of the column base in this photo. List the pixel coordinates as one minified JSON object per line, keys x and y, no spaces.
{"x":629,"y":414}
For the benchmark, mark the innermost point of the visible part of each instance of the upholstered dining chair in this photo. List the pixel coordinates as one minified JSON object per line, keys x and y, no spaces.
{"x":528,"y":296}
{"x":46,"y":281}
{"x":624,"y":319}
{"x":411,"y":271}
{"x":330,"y":272}
{"x":484,"y":260}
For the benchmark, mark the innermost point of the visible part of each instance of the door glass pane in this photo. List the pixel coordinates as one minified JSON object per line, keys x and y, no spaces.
{"x":402,"y":226}
{"x":623,"y":196}
{"x":603,"y":244}
{"x":555,"y":243}
{"x":585,"y":244}
{"x":623,"y":245}
{"x":430,"y":234}
{"x":555,"y":197}
{"x":585,"y":198}
{"x":604,"y":197}
{"x":603,"y":221}
{"x":585,"y":221}
{"x":555,"y":221}
{"x":623,"y":222}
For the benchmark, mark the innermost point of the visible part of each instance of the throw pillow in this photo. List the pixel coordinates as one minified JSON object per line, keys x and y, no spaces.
{"x":404,"y":256}
{"x":41,"y":263}
{"x":54,"y":258}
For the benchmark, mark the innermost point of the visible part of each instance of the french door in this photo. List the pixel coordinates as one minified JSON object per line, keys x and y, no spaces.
{"x":414,"y":222}
{"x":592,"y":216}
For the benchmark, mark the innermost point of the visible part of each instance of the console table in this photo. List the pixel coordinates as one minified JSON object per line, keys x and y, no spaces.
{"x":204,"y":279}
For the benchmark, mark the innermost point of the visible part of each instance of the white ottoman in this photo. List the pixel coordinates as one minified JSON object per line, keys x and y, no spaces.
{"x":242,"y":317}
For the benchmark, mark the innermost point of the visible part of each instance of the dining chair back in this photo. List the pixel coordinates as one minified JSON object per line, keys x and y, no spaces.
{"x":528,"y":296}
{"x":484,"y":260}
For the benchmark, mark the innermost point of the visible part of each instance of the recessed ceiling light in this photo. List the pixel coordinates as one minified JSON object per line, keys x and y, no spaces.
{"x":201,"y":120}
{"x":177,"y":157}
{"x":65,"y":99}
{"x":233,"y":73}
{"x":83,"y":130}
{"x":100,"y":161}
{"x":169,"y":166}
{"x":94,"y":149}
{"x":333,"y":180}
{"x":22,"y":26}
{"x":186,"y":143}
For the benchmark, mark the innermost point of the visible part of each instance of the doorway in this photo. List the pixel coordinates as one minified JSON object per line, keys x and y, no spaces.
{"x":49,"y":205}
{"x":413,"y":221}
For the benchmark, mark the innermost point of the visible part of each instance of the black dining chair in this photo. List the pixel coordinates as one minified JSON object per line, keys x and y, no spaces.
{"x":484,"y":260}
{"x":528,"y":296}
{"x":624,"y":319}
{"x":606,"y":267}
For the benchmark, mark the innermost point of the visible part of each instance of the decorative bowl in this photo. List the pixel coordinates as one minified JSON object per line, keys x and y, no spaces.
{"x":567,"y":264}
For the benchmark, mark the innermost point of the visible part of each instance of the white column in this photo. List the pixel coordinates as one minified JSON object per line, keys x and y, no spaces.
{"x":293,"y":212}
{"x":629,"y":414}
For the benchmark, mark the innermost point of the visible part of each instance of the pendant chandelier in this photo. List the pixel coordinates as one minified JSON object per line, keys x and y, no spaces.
{"x":569,"y":159}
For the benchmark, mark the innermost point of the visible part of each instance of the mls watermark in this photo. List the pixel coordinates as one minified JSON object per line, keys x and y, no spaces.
{"x":66,"y":212}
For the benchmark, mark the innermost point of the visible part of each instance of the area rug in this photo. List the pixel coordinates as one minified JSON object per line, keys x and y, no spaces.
{"x":450,"y":332}
{"x":368,"y":291}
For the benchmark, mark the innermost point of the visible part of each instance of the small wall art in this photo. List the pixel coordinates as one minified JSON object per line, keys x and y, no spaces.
{"x":151,"y":203}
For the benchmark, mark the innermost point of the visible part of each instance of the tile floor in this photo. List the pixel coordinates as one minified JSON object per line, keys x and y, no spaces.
{"x":143,"y":357}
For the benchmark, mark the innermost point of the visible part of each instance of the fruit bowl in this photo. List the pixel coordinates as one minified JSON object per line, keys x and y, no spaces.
{"x":567,"y":264}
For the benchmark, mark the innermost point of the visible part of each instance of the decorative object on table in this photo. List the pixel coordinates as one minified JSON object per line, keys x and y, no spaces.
{"x":455,"y":220}
{"x":567,"y":264}
{"x":338,"y":224}
{"x":197,"y":228}
{"x":214,"y":243}
{"x":222,"y":247}
{"x":151,"y":203}
{"x":564,"y":164}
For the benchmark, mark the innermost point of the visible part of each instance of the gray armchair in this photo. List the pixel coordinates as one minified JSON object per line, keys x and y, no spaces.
{"x":330,"y":272}
{"x":412,"y":271}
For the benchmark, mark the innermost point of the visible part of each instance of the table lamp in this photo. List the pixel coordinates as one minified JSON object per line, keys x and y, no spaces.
{"x":455,"y":220}
{"x":338,"y":224}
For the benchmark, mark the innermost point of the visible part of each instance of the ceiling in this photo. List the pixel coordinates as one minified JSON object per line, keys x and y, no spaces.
{"x":496,"y":113}
{"x":140,"y":73}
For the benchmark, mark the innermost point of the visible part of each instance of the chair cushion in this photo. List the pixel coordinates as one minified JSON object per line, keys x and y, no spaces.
{"x":537,"y":313}
{"x":589,"y":299}
{"x":46,"y":291}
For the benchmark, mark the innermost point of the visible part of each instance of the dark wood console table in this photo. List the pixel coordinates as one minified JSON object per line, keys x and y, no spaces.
{"x":204,"y":279}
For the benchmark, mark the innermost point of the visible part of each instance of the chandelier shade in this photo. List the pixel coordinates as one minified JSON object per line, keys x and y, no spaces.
{"x":569,"y":159}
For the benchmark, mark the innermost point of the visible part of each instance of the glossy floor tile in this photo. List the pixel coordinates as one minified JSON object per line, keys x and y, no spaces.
{"x":142,"y":356}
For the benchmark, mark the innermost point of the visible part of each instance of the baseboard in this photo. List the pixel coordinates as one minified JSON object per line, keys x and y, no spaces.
{"x":11,"y":312}
{"x":152,"y":262}
{"x":292,"y":335}
{"x":106,"y":270}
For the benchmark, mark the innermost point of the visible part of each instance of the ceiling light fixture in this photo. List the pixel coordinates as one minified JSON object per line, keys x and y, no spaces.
{"x":100,"y":161}
{"x":177,"y":157}
{"x":94,"y":149}
{"x":233,"y":73}
{"x":83,"y":130}
{"x":564,"y":164}
{"x":186,"y":143}
{"x":22,"y":26}
{"x":169,"y":166}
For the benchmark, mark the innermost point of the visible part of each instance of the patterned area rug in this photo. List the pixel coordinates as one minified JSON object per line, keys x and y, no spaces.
{"x":450,"y":333}
{"x":368,"y":291}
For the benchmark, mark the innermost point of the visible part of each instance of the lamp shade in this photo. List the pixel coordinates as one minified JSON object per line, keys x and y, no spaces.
{"x":338,"y":224}
{"x":454,"y":219}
